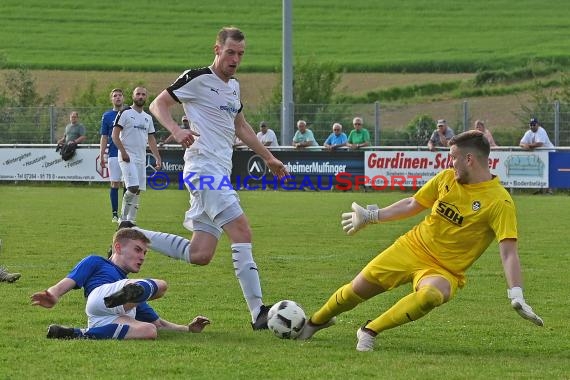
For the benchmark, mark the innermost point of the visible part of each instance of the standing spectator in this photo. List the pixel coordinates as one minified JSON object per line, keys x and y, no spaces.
{"x":185,"y":125}
{"x":337,"y":139}
{"x":441,"y":136}
{"x":106,"y":143}
{"x":536,"y":137}
{"x":211,"y":99}
{"x":358,"y":137}
{"x":266,"y":135}
{"x":74,"y":131}
{"x":132,"y":131}
{"x":116,"y":307}
{"x":468,"y":209}
{"x":480,"y":126}
{"x":304,"y":136}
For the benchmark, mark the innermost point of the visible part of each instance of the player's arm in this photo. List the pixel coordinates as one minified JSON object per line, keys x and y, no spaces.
{"x":48,"y":298}
{"x":512,"y":268}
{"x":246,"y":134}
{"x":119,"y":144}
{"x":360,"y":216}
{"x":160,"y":108}
{"x":154,"y":149}
{"x":197,"y":325}
{"x":103,"y":146}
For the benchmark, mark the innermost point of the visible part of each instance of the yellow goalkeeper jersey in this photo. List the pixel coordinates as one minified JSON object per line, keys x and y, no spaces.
{"x":464,"y":220}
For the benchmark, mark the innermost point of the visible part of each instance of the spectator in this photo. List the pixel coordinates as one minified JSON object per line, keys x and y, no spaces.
{"x":116,"y":307}
{"x":480,"y":126}
{"x":74,"y":131}
{"x":266,"y":135}
{"x":441,"y":136}
{"x":358,"y":137}
{"x":536,"y":137}
{"x":132,"y":131}
{"x":185,"y":125}
{"x":337,"y":139}
{"x":304,"y":136}
{"x":107,"y":143}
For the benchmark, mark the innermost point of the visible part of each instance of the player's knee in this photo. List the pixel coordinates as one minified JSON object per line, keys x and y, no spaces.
{"x":430,"y":297}
{"x":201,"y":257}
{"x":162,"y":287}
{"x":149,"y":331}
{"x":133,"y":189}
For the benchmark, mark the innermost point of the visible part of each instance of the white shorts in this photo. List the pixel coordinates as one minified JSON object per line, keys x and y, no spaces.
{"x":207,"y":206}
{"x":100,"y":315}
{"x":115,"y":174}
{"x":134,"y":174}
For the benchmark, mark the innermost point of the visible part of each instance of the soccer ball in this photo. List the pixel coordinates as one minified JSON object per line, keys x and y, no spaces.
{"x":286,"y":319}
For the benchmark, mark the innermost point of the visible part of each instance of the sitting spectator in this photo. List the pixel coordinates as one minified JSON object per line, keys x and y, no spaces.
{"x":303,"y":137}
{"x":337,"y":139}
{"x":266,"y":135}
{"x":74,"y":131}
{"x":358,"y":137}
{"x":441,"y":136}
{"x":480,"y":126}
{"x":185,"y":125}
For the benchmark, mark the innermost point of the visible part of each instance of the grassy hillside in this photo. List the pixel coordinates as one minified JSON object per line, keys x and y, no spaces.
{"x":389,"y":35}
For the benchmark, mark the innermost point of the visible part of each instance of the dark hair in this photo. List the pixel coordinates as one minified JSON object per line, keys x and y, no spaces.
{"x":472,"y":140}
{"x":229,"y":32}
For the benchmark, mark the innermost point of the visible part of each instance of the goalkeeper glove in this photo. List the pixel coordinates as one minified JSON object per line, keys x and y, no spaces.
{"x":518,"y":303}
{"x":359,"y":217}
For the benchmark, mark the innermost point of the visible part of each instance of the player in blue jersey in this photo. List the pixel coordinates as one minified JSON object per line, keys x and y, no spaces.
{"x":112,"y":162}
{"x":116,"y":306}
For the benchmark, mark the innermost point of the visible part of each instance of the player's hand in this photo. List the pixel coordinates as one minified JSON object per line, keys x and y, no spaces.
{"x":44,"y":299}
{"x":356,"y":220}
{"x":277,"y":168}
{"x":198,"y":324}
{"x":185,"y":137}
{"x":158,"y":163}
{"x":125,"y":157}
{"x":518,"y":303}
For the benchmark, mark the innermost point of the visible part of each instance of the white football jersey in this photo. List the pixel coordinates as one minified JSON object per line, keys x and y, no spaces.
{"x":135,"y":128}
{"x":211,"y":106}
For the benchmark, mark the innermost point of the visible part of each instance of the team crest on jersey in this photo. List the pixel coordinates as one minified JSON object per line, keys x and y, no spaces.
{"x":476,"y":205}
{"x":450,"y":212}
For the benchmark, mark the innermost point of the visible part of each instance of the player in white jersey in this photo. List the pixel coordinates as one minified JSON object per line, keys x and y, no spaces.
{"x":211,"y":100}
{"x":132,"y":130}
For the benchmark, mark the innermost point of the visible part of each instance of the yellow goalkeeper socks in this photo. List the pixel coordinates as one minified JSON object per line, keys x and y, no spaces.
{"x":342,"y":300}
{"x":408,"y":309}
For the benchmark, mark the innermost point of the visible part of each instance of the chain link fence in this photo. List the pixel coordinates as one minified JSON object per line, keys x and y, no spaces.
{"x":387,"y":123}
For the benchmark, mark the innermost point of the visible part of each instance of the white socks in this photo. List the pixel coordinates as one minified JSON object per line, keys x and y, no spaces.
{"x":248,"y":277}
{"x":130,"y":206}
{"x":169,"y":245}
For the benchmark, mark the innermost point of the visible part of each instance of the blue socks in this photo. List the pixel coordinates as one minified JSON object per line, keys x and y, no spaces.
{"x":114,"y":195}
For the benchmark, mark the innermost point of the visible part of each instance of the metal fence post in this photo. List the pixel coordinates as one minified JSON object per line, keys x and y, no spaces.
{"x":52,"y":124}
{"x":556,"y":123}
{"x":465,"y":115}
{"x":376,"y":123}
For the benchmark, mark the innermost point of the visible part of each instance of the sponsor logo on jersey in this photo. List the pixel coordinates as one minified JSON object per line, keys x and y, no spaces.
{"x":476,"y":206}
{"x":450,"y":213}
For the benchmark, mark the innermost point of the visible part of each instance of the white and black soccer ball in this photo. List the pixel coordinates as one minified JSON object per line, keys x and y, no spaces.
{"x":286,"y":319}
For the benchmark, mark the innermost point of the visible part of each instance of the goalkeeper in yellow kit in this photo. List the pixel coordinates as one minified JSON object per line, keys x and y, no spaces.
{"x":469,"y":208}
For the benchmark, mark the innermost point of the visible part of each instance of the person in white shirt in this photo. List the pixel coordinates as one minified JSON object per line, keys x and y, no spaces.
{"x":132,"y":130}
{"x":210,"y":97}
{"x":266,"y":135}
{"x":535,"y":137}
